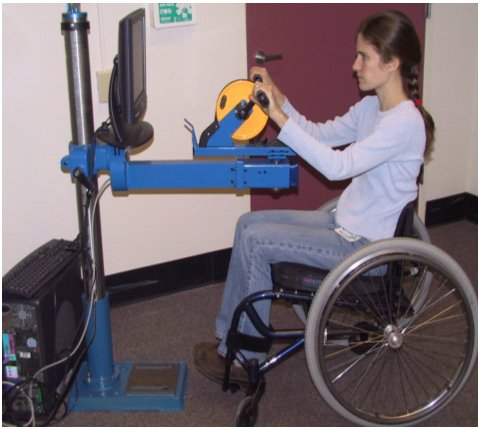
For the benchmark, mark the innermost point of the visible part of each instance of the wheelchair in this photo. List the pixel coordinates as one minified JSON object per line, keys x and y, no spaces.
{"x":390,"y":334}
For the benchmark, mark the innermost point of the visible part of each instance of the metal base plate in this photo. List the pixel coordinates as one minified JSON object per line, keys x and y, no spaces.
{"x":139,"y":387}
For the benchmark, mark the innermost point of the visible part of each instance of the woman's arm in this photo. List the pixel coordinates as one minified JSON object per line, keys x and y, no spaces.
{"x":334,"y":133}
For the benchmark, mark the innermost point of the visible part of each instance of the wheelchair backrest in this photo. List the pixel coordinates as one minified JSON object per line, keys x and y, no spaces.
{"x":405,"y":221}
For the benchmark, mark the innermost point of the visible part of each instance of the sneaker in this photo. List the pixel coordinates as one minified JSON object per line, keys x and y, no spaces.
{"x":212,"y":365}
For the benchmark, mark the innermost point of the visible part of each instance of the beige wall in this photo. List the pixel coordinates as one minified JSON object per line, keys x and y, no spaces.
{"x":450,"y":94}
{"x":187,"y":68}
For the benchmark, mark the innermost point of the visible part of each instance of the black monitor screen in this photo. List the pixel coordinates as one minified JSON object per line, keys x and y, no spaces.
{"x":128,"y":95}
{"x":138,"y":63}
{"x":131,"y":63}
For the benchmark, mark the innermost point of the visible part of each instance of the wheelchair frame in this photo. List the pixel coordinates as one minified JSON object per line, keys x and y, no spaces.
{"x":364,"y":351}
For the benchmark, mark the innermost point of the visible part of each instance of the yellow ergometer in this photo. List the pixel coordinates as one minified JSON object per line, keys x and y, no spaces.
{"x":238,"y":118}
{"x":230,"y":97}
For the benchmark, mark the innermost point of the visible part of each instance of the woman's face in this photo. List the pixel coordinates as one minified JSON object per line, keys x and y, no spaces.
{"x":372,"y":72}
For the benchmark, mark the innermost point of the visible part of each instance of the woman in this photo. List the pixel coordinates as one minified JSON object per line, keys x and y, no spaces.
{"x":390,"y":134}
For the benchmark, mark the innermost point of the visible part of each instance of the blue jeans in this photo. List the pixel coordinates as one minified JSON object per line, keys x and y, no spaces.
{"x":266,"y":237}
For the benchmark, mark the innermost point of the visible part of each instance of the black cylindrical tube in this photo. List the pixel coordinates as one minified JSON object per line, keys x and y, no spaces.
{"x":75,"y":28}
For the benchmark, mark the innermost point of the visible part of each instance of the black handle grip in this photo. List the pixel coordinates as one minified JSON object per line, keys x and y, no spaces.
{"x":262,"y":99}
{"x":85,"y":181}
{"x":260,"y":95}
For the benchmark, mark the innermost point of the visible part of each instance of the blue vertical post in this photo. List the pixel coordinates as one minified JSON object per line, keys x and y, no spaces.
{"x":102,"y":384}
{"x":101,"y":372}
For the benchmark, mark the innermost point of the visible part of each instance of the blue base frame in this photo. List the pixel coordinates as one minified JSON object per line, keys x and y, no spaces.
{"x":103,"y":385}
{"x":84,"y":397}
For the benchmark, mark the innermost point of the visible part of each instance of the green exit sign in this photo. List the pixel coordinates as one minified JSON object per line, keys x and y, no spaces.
{"x":166,"y":15}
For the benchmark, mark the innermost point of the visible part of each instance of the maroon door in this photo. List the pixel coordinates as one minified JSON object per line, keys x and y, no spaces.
{"x":317,"y":42}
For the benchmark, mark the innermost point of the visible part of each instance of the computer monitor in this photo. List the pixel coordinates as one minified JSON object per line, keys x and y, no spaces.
{"x":128,"y":94}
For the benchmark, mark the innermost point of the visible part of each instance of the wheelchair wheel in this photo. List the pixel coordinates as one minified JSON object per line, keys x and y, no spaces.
{"x":375,"y":356}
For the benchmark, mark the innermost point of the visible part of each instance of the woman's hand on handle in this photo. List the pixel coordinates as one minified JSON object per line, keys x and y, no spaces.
{"x":262,"y":73}
{"x":264,"y":87}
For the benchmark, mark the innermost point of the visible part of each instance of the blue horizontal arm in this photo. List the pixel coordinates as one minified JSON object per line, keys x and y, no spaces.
{"x":151,"y":175}
{"x":125,"y":175}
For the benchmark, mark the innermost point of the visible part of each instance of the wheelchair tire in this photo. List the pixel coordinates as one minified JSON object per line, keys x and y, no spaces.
{"x":376,"y":358}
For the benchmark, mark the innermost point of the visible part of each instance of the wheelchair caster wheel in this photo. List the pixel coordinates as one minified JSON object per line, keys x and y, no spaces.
{"x":247,"y":412}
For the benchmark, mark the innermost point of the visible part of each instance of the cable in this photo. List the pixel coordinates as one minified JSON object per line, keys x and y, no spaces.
{"x":67,"y":383}
{"x":30,"y":403}
{"x":94,"y":286}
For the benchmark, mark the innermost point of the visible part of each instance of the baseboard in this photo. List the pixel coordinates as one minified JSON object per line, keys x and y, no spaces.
{"x":169,"y":277}
{"x":452,"y":209}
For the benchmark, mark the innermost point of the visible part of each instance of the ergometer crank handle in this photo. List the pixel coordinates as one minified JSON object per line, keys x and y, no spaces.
{"x":262,"y":99}
{"x":260,"y":95}
{"x":244,"y":111}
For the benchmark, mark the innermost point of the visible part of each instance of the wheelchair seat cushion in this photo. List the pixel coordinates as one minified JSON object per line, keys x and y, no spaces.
{"x":303,"y":278}
{"x":290,"y":276}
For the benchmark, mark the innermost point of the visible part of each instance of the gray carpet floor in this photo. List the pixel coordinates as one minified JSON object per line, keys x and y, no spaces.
{"x":166,"y":328}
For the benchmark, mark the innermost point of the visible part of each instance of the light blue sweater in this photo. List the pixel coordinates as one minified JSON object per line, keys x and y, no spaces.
{"x":383,"y":160}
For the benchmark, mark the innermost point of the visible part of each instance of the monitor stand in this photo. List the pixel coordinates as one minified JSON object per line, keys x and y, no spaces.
{"x":133,"y":136}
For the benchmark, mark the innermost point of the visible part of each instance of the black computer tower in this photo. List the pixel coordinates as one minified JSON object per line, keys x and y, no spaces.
{"x":41,"y":329}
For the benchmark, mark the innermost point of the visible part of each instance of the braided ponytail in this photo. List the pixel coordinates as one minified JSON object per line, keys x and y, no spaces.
{"x":393,"y":35}
{"x":413,"y":91}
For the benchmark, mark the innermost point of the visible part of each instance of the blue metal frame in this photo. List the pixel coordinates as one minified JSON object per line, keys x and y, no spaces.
{"x":102,"y":384}
{"x":252,"y":166}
